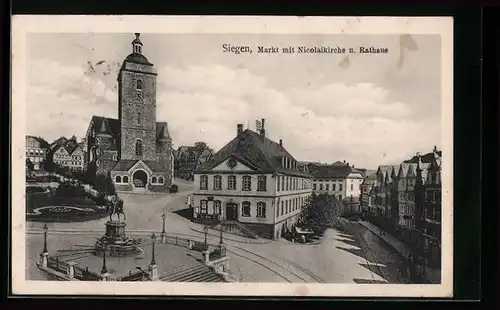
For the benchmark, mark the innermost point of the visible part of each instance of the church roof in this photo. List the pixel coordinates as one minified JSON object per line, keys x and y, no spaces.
{"x":114,"y":128}
{"x":254,"y":150}
{"x":113,"y":125}
{"x":126,"y":164}
{"x":162,"y":131}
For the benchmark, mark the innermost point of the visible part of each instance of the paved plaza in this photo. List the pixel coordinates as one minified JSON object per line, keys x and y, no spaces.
{"x":341,"y":258}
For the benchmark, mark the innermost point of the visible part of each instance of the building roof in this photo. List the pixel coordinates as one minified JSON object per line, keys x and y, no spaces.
{"x":112,"y":125}
{"x":256,"y":151}
{"x":331,"y":171}
{"x":162,"y":132}
{"x":126,"y":164}
{"x":42,"y":141}
{"x":426,"y":158}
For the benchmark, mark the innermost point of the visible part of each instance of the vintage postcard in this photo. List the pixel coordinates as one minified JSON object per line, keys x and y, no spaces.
{"x":232,"y":155}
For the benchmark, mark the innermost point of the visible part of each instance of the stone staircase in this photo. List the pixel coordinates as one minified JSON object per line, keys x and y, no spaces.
{"x":236,"y":228}
{"x":201,"y":273}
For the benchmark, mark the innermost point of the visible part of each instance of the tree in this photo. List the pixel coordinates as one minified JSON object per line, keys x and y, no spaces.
{"x":29,"y":165}
{"x":104,"y":185}
{"x":201,"y":146}
{"x":321,"y":211}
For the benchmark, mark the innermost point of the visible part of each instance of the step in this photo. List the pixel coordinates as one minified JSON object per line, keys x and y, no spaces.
{"x":179,"y":273}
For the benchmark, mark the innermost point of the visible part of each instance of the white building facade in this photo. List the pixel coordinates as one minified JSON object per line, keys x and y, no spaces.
{"x":253,"y":181}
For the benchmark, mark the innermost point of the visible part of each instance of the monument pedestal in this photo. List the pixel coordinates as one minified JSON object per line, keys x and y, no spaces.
{"x":115,"y":242}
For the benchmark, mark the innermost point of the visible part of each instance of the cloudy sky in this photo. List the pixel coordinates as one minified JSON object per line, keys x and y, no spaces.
{"x":372,"y":110}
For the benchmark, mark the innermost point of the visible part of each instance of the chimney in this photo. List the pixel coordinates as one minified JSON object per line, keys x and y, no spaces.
{"x":281,"y":142}
{"x":344,"y":161}
{"x":240,"y":129}
{"x":353,"y":166}
{"x":347,"y":163}
{"x":263,"y":129}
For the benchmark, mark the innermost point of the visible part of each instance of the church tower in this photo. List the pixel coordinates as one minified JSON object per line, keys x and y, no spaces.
{"x":137,"y":106}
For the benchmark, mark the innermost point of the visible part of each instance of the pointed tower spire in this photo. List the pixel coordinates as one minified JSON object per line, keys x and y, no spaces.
{"x":164,"y":135}
{"x":137,"y":44}
{"x":104,"y":129}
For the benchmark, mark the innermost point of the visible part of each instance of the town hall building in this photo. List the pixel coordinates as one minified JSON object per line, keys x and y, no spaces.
{"x":253,"y":183}
{"x":135,"y":149}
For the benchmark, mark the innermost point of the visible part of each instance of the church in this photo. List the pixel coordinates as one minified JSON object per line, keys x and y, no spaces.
{"x":135,"y":149}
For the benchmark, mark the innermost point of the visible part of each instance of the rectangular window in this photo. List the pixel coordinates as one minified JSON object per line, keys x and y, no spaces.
{"x":286,"y":206}
{"x":286,"y":183}
{"x":217,"y":182}
{"x":333,"y":187}
{"x":314,"y":187}
{"x":282,"y":207}
{"x":203,"y":182}
{"x":217,"y":207}
{"x":245,"y":209}
{"x":261,"y":209}
{"x":247,"y":183}
{"x":320,"y":186}
{"x":278,"y":179}
{"x":352,"y":186}
{"x":340,"y":186}
{"x":231,"y":182}
{"x":327,"y":186}
{"x":261,"y":184}
{"x":278,"y":209}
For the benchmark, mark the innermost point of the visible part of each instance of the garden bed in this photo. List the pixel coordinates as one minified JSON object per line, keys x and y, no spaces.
{"x":66,"y":213}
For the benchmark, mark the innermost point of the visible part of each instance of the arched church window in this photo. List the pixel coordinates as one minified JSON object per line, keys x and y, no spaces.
{"x":160,"y":180}
{"x":139,"y":85}
{"x":153,"y":180}
{"x":138,"y":148}
{"x":139,"y":118}
{"x":125,"y":179}
{"x":118,"y":179}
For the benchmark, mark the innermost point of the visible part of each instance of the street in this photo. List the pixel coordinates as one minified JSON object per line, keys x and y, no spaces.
{"x":342,"y":257}
{"x":389,"y":263}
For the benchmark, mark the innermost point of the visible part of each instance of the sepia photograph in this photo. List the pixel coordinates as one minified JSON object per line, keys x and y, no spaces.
{"x":232,"y":156}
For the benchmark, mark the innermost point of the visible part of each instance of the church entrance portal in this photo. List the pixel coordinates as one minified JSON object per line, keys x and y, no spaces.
{"x":140,"y":178}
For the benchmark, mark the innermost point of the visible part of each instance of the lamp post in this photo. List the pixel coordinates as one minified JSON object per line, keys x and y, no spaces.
{"x":163,"y":218}
{"x":45,"y":230}
{"x":205,"y":229}
{"x":153,"y":241}
{"x":104,"y":270}
{"x":163,"y":233}
{"x":221,"y":222}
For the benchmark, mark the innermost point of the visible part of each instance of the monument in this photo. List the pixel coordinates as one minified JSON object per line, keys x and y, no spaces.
{"x":115,"y":242}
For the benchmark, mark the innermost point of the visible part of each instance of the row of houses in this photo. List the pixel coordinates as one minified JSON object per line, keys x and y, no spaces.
{"x":405,"y":199}
{"x":65,"y":152}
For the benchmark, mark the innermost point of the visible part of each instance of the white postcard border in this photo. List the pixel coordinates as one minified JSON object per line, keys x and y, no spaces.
{"x":24,"y":24}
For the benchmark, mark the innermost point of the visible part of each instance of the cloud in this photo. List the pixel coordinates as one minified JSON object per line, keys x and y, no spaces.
{"x":62,"y":99}
{"x":356,"y":122}
{"x":336,"y":121}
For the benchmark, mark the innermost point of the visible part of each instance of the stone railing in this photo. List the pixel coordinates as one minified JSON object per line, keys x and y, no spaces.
{"x":219,"y":262}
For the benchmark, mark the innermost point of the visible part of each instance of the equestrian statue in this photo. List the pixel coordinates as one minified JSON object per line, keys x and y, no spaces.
{"x":115,"y":206}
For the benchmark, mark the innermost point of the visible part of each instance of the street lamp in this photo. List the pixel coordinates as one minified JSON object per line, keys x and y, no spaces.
{"x":220,"y":241}
{"x":163,"y":218}
{"x":153,"y":241}
{"x":45,"y":230}
{"x":205,"y":229}
{"x":104,"y":270}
